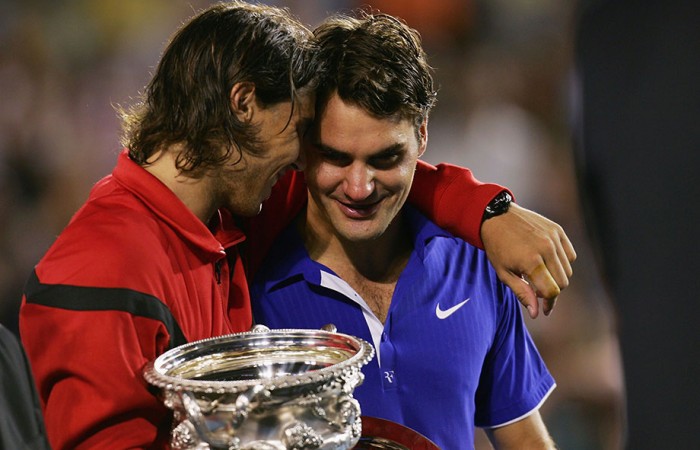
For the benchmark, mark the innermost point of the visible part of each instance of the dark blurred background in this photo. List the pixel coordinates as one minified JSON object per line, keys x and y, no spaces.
{"x":505,"y":73}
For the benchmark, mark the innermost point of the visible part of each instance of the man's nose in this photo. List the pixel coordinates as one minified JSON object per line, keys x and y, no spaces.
{"x":359,"y":182}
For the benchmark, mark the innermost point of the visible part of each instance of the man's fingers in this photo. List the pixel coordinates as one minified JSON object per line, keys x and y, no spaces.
{"x":567,"y":253}
{"x":523,"y":291}
{"x":568,"y":247}
{"x":548,"y":305}
{"x":558,"y":267}
{"x":543,"y":282}
{"x":564,"y":260}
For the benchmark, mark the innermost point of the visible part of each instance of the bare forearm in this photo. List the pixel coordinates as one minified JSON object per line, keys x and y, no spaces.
{"x":529,"y":433}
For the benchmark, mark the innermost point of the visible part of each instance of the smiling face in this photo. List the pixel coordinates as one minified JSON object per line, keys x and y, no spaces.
{"x":359,"y":171}
{"x":246,"y":181}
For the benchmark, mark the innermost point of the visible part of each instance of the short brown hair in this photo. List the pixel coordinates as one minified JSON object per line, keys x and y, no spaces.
{"x":377,"y":62}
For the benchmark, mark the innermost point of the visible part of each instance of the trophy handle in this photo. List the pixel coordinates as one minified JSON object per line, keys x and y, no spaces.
{"x":196,"y":416}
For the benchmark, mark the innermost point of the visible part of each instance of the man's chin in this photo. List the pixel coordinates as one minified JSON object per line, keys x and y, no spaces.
{"x":360,"y":236}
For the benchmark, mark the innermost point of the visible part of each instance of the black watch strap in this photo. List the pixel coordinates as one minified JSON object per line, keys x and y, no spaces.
{"x":497,"y":206}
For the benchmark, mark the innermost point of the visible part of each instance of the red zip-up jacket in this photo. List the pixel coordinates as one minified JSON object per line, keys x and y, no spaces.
{"x":136,"y":273}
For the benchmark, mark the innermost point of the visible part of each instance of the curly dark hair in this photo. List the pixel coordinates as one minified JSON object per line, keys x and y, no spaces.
{"x":187,"y":100}
{"x":376,"y":62}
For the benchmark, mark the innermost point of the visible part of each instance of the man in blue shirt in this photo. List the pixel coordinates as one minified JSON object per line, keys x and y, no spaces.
{"x":453,"y":351}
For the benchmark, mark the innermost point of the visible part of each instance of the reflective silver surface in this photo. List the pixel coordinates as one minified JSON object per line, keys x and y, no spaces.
{"x":264,"y":389}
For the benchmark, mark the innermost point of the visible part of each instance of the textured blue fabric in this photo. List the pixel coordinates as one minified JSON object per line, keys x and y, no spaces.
{"x":441,"y":377}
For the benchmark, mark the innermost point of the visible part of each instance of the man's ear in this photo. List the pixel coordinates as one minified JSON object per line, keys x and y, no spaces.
{"x":242,"y":100}
{"x":423,"y":134}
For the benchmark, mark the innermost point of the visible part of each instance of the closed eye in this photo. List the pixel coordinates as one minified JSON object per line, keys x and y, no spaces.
{"x":385,"y":159}
{"x":388,"y":158}
{"x":333,"y":156}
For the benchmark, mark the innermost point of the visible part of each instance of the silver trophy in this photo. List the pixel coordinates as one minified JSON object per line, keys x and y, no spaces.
{"x":264,"y":390}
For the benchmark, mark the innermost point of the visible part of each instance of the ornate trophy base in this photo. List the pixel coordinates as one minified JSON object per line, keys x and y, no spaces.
{"x":264,"y":390}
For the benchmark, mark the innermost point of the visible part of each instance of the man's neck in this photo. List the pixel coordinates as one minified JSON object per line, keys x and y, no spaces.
{"x":376,"y":259}
{"x":195,"y":193}
{"x":372,"y":267}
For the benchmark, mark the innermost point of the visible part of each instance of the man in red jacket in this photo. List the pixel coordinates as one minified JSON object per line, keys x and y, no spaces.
{"x":152,"y":259}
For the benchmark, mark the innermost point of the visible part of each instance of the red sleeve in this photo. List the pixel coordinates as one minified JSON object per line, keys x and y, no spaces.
{"x":436,"y":192}
{"x":453,"y":198}
{"x":82,"y":361}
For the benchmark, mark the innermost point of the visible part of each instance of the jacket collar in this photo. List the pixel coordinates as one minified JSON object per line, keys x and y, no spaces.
{"x":210,"y":243}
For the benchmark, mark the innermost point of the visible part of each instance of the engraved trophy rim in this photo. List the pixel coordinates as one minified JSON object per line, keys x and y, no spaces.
{"x":160,"y":372}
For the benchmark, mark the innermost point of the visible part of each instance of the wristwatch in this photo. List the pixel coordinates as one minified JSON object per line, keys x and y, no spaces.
{"x":497,"y":206}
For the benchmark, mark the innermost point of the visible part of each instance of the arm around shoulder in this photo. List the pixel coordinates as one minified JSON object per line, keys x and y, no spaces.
{"x":453,"y":198}
{"x":531,"y":254}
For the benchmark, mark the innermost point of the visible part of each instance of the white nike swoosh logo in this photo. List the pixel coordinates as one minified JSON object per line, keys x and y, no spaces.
{"x":448,"y":312}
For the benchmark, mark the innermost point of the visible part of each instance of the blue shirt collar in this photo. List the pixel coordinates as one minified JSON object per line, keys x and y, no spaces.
{"x":292,"y":262}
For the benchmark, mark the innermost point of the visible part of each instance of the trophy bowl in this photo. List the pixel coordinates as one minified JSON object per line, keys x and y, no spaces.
{"x":263,"y":390}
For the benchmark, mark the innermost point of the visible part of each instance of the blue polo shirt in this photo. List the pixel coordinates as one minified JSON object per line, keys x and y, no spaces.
{"x":454,"y":352}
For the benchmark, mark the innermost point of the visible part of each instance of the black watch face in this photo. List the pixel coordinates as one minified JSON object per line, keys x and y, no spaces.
{"x":498,"y":205}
